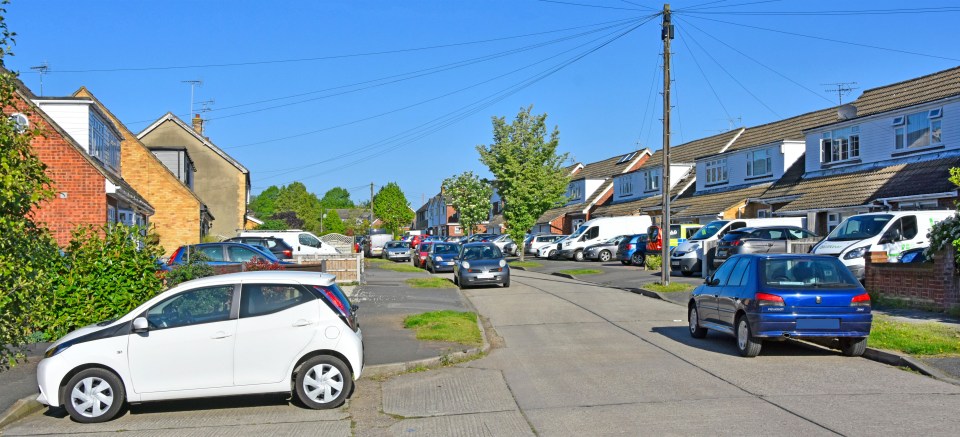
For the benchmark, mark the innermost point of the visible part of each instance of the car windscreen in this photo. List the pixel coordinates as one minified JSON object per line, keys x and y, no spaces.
{"x":859,"y":227}
{"x":481,"y":252}
{"x":806,"y":272}
{"x":709,"y":230}
{"x":446,"y":249}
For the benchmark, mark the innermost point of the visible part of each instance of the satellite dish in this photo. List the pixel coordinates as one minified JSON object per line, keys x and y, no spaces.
{"x":846,"y":112}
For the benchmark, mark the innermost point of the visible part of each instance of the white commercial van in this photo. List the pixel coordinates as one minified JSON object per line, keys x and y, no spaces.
{"x":601,"y":229}
{"x":688,"y":257}
{"x":890,"y":232}
{"x":302,"y":242}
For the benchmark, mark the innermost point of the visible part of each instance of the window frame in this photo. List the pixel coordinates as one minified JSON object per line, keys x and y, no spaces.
{"x":231,"y":315}
{"x":753,"y":158}
{"x":306,"y":296}
{"x":840,"y":145}
{"x":626,"y":186}
{"x":716,"y":171}
{"x":932,"y":123}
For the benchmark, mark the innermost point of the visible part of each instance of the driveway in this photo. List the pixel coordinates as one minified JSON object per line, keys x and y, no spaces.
{"x":614,"y":273}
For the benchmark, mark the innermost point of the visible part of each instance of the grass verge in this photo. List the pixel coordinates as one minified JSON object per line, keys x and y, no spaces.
{"x":376,"y":260}
{"x":914,"y":338}
{"x":581,"y":271}
{"x":673,"y":287}
{"x":431,"y":282}
{"x":525,"y":264}
{"x":400,"y":267}
{"x":451,"y":326}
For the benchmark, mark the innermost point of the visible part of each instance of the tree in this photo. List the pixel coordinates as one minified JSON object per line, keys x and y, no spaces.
{"x":332,"y":223}
{"x":265,"y":204}
{"x":275,"y":224}
{"x":470,"y":196}
{"x":337,"y":198}
{"x":530,"y":176}
{"x":296,"y":198}
{"x":282,"y":221}
{"x":391,"y":207}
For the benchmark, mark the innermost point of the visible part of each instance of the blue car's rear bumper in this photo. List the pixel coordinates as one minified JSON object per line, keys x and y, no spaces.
{"x":785,"y":325}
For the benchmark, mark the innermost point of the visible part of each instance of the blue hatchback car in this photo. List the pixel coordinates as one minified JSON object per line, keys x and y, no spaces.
{"x":633,"y":250}
{"x":224,"y":254}
{"x":761,"y":297}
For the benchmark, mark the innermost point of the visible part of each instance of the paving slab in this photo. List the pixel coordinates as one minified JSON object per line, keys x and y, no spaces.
{"x":880,"y":414}
{"x":507,"y":423}
{"x":447,"y":391}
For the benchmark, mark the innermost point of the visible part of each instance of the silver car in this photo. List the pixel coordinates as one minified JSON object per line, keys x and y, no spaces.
{"x":396,"y":251}
{"x":480,"y":264}
{"x":604,"y":251}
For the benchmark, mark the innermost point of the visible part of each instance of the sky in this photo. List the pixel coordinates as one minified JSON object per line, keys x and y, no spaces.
{"x":349,"y":93}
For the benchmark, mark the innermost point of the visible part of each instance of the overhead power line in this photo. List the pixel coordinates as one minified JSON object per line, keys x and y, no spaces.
{"x":700,"y":6}
{"x":898,"y":11}
{"x":585,"y":5}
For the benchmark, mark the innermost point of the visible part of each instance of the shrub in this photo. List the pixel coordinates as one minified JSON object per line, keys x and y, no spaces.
{"x":945,"y":234}
{"x":653,"y":262}
{"x":258,"y":264}
{"x":195,"y":267}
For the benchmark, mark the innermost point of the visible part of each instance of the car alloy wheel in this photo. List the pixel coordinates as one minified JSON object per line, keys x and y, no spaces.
{"x":604,"y":256}
{"x":94,"y":395}
{"x":638,"y":259}
{"x":323,"y":382}
{"x":578,"y":256}
{"x":747,"y":345}
{"x":696,"y":331}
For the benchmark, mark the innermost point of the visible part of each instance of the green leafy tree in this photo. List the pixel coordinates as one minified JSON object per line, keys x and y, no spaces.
{"x":470,"y":196}
{"x":194,"y":266}
{"x":337,"y":198}
{"x":392,"y":207}
{"x":332,"y":223}
{"x":296,"y":198}
{"x":265,"y":204}
{"x":274,"y":224}
{"x":28,"y":254}
{"x":530,"y":176}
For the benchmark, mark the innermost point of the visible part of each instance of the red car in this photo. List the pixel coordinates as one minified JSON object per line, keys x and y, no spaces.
{"x":421,"y":253}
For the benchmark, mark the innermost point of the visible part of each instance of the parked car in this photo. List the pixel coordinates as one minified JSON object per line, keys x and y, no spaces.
{"x":224,"y":253}
{"x":604,"y":251}
{"x":760,"y":297}
{"x":599,"y":230}
{"x":633,"y":250}
{"x":689,"y":257}
{"x":766,"y":239}
{"x":551,"y":250}
{"x":415,"y":240}
{"x":440,"y":257}
{"x":511,"y":249}
{"x":479,"y":238}
{"x":479,"y":264}
{"x":502,"y":241}
{"x":912,"y":256}
{"x":302,"y":242}
{"x":419,"y":256}
{"x":276,"y":246}
{"x":396,"y":251}
{"x":539,"y":241}
{"x":236,"y":334}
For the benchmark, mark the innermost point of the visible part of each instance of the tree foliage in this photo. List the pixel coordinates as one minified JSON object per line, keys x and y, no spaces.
{"x":530,"y":176}
{"x":296,"y":198}
{"x":275,"y":224}
{"x":947,"y":233}
{"x":392,"y":207}
{"x":336,"y":198}
{"x":195,"y":266}
{"x":470,"y":196}
{"x":332,"y":223}
{"x":265,"y":204}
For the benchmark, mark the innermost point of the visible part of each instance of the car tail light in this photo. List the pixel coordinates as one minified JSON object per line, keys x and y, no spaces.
{"x":860,"y":300}
{"x":767,"y":299}
{"x":631,"y":246}
{"x":341,"y":308}
{"x":288,"y":254}
{"x":174,"y":256}
{"x":736,"y":243}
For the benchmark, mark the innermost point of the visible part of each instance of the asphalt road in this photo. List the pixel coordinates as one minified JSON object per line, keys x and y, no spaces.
{"x":578,"y":359}
{"x":614,"y":273}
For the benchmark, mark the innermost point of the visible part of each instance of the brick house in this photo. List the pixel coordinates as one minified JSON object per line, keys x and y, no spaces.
{"x":83,"y":164}
{"x":180,"y":218}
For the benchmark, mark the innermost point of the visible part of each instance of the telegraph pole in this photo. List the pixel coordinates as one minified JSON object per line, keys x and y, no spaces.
{"x":666,"y":34}
{"x":371,"y":205}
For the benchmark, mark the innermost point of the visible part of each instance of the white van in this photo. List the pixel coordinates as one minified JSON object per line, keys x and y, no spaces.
{"x":688,"y":257}
{"x":890,"y":232}
{"x":302,"y":242}
{"x":601,"y":229}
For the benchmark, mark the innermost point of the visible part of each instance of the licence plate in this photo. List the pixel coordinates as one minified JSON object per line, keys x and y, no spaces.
{"x":675,"y":263}
{"x":485,"y":276}
{"x":818,"y":323}
{"x":721,"y":252}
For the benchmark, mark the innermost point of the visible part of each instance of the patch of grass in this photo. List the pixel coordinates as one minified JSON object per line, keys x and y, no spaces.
{"x":431,"y":282}
{"x":525,"y":264}
{"x":451,"y":326}
{"x":914,"y":338}
{"x":673,"y":287}
{"x":582,"y":271}
{"x":400,"y":267}
{"x":376,"y":260}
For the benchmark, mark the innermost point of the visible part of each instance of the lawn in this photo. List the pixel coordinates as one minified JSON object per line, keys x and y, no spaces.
{"x":581,"y":271}
{"x":673,"y":287}
{"x":431,"y":282}
{"x":525,"y":264}
{"x":913,"y":338}
{"x":451,"y":326}
{"x":399,"y":267}
{"x":376,"y":260}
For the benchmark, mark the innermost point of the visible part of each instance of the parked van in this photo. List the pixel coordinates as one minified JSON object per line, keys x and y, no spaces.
{"x":303,"y":242}
{"x":891,"y":232}
{"x":373,"y":244}
{"x":601,"y":229}
{"x":678,"y":234}
{"x":688,"y":257}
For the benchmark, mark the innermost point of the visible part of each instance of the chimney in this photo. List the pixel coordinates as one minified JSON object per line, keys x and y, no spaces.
{"x":198,"y":124}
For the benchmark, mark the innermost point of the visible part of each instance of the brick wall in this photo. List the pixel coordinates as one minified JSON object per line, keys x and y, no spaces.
{"x":928,"y":285}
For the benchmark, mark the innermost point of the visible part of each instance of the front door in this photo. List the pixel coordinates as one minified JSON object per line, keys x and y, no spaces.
{"x":189,"y":344}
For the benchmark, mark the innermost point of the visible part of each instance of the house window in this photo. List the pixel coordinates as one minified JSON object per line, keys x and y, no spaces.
{"x":840,"y":144}
{"x":652,"y":180}
{"x":104,"y":145}
{"x":833,"y":219}
{"x":764,"y":213}
{"x":716,"y":171}
{"x":919,"y":129}
{"x":457,"y":230}
{"x":575,"y":192}
{"x":759,"y":163}
{"x":626,"y":186}
{"x":111,"y":214}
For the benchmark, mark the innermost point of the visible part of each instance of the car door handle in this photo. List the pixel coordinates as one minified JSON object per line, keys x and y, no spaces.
{"x":301,"y":323}
{"x":219,"y":335}
{"x":716,"y":295}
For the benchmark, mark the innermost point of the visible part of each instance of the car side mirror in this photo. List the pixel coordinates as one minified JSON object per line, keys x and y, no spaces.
{"x":140,"y":324}
{"x":707,"y":281}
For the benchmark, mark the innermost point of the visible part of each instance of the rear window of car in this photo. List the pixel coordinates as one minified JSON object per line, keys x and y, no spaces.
{"x":806,"y":272}
{"x":733,"y":236}
{"x":397,"y":244}
{"x":446,"y":248}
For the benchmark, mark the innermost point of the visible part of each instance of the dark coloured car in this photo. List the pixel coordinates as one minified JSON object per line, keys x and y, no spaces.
{"x":767,"y":239}
{"x":774,"y":297}
{"x":914,"y":256}
{"x":276,"y":246}
{"x":441,"y":255}
{"x":604,"y":251}
{"x":396,"y":251}
{"x":225,"y":253}
{"x":480,"y":264}
{"x":633,"y":250}
{"x":480,"y":238}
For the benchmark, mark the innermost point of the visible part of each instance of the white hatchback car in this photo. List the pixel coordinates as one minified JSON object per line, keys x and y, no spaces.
{"x":234,"y":334}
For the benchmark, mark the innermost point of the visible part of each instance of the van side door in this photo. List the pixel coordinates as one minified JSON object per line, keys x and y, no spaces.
{"x":901,"y":235}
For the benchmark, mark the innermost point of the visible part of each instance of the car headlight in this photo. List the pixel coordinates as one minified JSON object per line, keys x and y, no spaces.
{"x":57,"y":349}
{"x":503,"y":263}
{"x":856,"y":253}
{"x":465,"y":265}
{"x":438,"y":259}
{"x":679,"y":254}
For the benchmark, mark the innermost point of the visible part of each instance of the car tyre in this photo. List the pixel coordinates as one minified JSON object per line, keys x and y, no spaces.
{"x":323,"y":382}
{"x":431,"y":269}
{"x":98,"y":387}
{"x":506,"y":282}
{"x":696,"y":331}
{"x":552,"y":254}
{"x":747,"y":344}
{"x":853,"y":347}
{"x":604,"y":256}
{"x":578,"y":256}
{"x":686,"y":273}
{"x":638,"y":259}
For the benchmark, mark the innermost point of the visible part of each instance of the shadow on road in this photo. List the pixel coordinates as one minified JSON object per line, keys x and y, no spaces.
{"x":726,"y":344}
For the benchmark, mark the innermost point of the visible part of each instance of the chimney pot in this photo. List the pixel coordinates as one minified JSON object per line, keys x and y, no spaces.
{"x":198,"y":124}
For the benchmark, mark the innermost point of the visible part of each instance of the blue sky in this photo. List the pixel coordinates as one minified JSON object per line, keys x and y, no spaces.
{"x":359,"y":115}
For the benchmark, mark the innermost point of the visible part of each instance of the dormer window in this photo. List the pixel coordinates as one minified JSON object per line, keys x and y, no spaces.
{"x":574,"y":192}
{"x":759,"y":163}
{"x":716,"y":171}
{"x":840,"y":144}
{"x":652,"y":180}
{"x":919,"y":129}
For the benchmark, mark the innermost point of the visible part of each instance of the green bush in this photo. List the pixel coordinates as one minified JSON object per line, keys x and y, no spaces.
{"x":105,"y":273}
{"x":195,"y":267}
{"x":653,"y":262}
